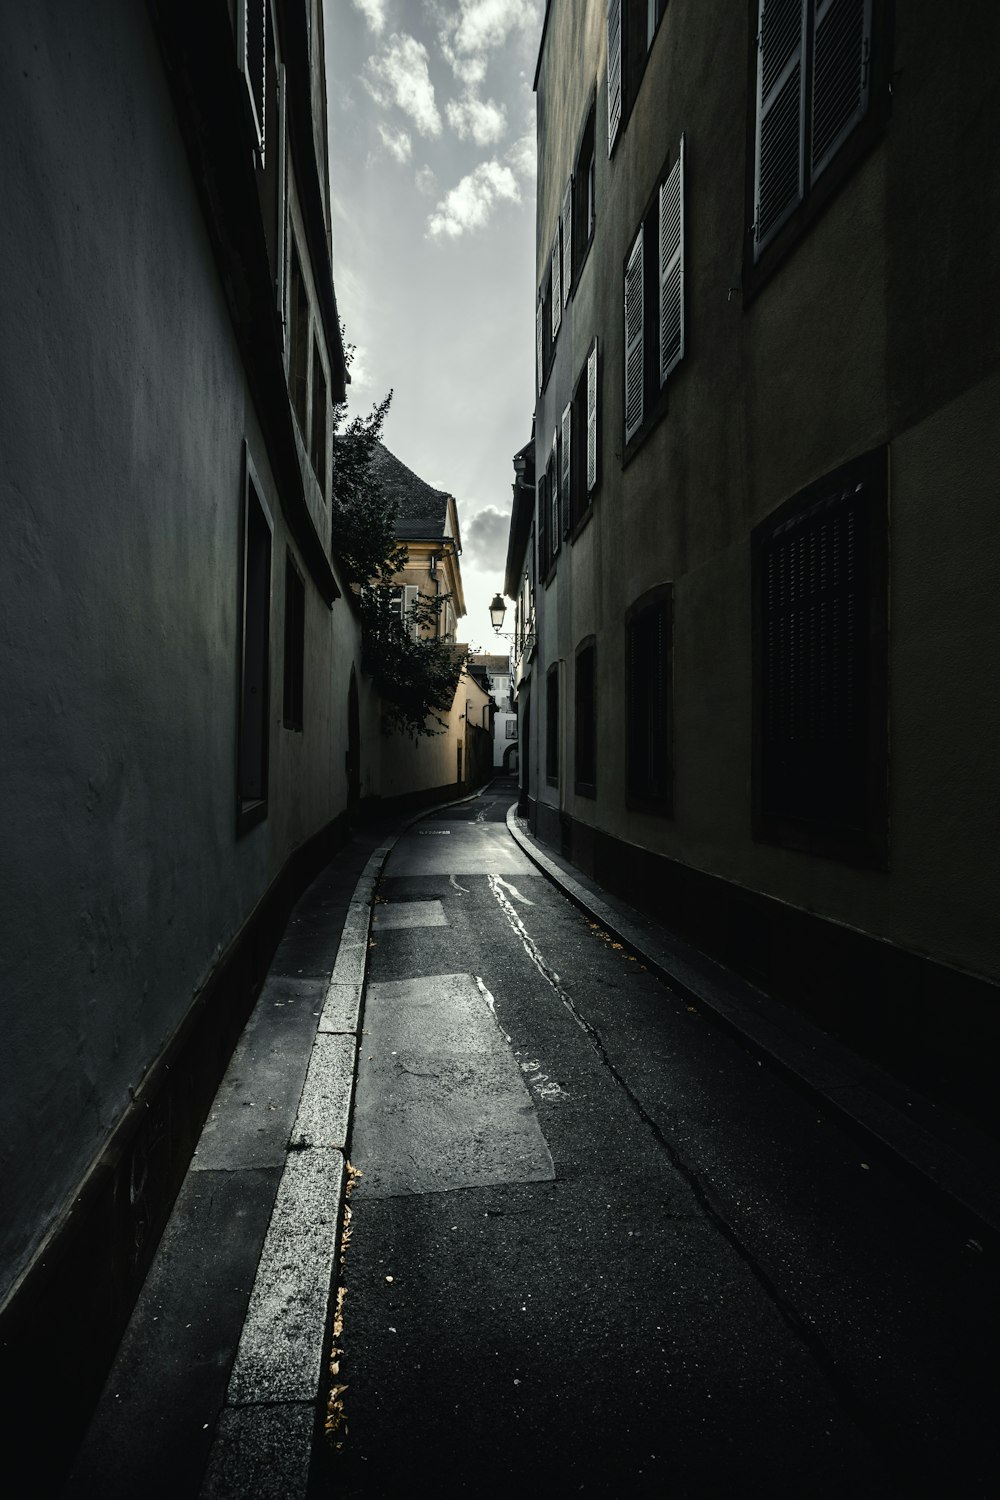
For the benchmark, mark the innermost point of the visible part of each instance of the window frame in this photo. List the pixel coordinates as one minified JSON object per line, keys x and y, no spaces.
{"x":252,"y":808}
{"x":641,"y":798}
{"x":758,"y":268}
{"x":584,"y":752}
{"x":552,"y":726}
{"x":866,"y":843}
{"x":655,"y":383}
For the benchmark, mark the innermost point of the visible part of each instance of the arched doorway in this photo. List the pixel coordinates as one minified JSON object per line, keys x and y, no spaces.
{"x":510,"y":759}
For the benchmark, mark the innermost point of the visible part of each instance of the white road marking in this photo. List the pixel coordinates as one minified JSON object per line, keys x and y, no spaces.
{"x":491,"y":1003}
{"x":457,"y":886}
{"x":549,"y":975}
{"x":514,"y":891}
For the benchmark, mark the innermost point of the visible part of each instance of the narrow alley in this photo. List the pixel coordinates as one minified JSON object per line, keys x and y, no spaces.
{"x":598,"y":1247}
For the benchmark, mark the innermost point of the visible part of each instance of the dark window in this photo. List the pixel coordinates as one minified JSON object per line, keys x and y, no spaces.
{"x":543,"y":525}
{"x":649,"y":685}
{"x":582,"y":439}
{"x":654,"y":302}
{"x":632,"y":25}
{"x":579,"y":212}
{"x":585,"y":707}
{"x":552,"y":726}
{"x":819,"y":574}
{"x":317,"y":438}
{"x":544,"y":331}
{"x":510,"y":729}
{"x":298,"y":347}
{"x":295,"y":643}
{"x":256,"y":618}
{"x":814,"y":85}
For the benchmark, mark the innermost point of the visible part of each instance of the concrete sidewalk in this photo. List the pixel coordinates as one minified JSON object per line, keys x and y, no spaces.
{"x":214,"y":1389}
{"x":958,"y":1162}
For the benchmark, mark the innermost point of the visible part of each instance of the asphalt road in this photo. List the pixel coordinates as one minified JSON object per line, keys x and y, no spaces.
{"x":598,"y":1248}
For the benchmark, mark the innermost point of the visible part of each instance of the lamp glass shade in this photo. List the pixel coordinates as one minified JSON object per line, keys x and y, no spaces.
{"x":497,"y":611}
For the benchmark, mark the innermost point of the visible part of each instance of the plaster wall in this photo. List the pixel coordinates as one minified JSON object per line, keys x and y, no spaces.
{"x":409,"y":766}
{"x":864,"y":335}
{"x":122,"y":432}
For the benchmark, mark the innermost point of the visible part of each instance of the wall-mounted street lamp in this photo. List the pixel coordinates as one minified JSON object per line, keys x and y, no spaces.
{"x":497,"y":612}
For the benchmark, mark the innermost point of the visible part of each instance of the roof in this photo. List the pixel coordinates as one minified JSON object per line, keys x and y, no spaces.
{"x":496,"y":665}
{"x":423,"y":511}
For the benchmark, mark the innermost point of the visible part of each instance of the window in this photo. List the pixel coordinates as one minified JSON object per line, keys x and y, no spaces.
{"x":654,"y":301}
{"x":317,"y":438}
{"x":813,"y":87}
{"x":544,"y":331}
{"x":554,"y":491}
{"x":295,"y":644}
{"x":510,"y":729}
{"x":585,"y":705}
{"x":298,"y":345}
{"x":820,"y":699}
{"x":649,"y":688}
{"x":555,"y":283}
{"x":579,"y":442}
{"x":552,"y":726}
{"x":251,"y":771}
{"x":583,"y":209}
{"x":401,"y":602}
{"x":632,"y":25}
{"x":251,"y":55}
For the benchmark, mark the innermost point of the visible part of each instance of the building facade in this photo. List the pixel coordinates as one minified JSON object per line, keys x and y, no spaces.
{"x":768,"y":451}
{"x":181,"y":672}
{"x":500,"y":686}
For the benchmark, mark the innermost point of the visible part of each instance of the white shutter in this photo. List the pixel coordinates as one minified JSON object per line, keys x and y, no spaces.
{"x":567,"y":467}
{"x":567,"y":241}
{"x":672,"y":267}
{"x":554,"y":489}
{"x":614,"y":71}
{"x":634,"y":357}
{"x":539,"y":346}
{"x":556,"y":288}
{"x":282,"y":193}
{"x":779,"y":165}
{"x":251,"y":56}
{"x":410,"y":595}
{"x":841,"y":49}
{"x":592,"y":418}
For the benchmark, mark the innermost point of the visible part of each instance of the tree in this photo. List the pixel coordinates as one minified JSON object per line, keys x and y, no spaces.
{"x":415,"y":673}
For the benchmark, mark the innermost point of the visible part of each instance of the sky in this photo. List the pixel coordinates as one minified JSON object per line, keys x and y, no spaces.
{"x":432,"y":182}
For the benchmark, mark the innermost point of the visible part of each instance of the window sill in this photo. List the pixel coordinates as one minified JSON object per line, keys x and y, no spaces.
{"x":865,"y":848}
{"x":659,"y":807}
{"x":249,"y":814}
{"x":585,"y":788}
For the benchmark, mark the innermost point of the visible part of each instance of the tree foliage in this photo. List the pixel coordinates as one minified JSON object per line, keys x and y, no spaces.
{"x":414,"y":671}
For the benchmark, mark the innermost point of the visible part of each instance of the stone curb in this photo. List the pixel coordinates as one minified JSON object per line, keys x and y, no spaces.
{"x":963,"y":1175}
{"x":263,"y":1440}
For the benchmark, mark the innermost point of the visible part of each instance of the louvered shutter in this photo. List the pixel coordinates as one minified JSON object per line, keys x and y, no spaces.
{"x":614,"y":71}
{"x":282,"y":193}
{"x":555,"y":530}
{"x":634,"y":358}
{"x":251,"y":42}
{"x":672,"y":267}
{"x":539,"y":346}
{"x":556,"y":287}
{"x":779,"y":166}
{"x":567,"y":241}
{"x":841,"y":48}
{"x":543,"y":528}
{"x":566,"y":477}
{"x":592,"y":418}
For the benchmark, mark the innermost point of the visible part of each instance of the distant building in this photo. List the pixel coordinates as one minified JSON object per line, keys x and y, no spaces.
{"x":519,"y":585}
{"x":454,"y":757}
{"x":767,"y":397}
{"x":498,"y":674}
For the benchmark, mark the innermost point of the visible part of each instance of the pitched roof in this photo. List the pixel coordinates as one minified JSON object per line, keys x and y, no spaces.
{"x":423,"y":511}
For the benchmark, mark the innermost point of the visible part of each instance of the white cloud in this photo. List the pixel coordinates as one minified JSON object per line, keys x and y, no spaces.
{"x":484,"y":538}
{"x":522,"y":157}
{"x":482,"y":119}
{"x":400,"y":76}
{"x":426,"y":181}
{"x":484,"y":24}
{"x":373,"y":12}
{"x":396,"y":142}
{"x":469,"y":205}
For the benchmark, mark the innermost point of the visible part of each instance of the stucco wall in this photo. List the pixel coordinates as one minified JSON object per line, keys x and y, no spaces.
{"x":122,"y":428}
{"x":870,"y":332}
